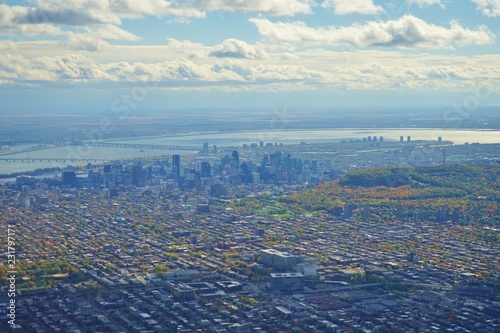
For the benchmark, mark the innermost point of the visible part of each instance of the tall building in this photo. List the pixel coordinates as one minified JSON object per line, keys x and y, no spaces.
{"x":176,"y":165}
{"x":287,"y":281}
{"x":136,"y":174}
{"x":442,"y":215}
{"x":307,"y":268}
{"x":365,"y":212}
{"x":68,"y":177}
{"x":419,"y":216}
{"x":235,"y":160}
{"x":348,"y":209}
{"x":205,"y":169}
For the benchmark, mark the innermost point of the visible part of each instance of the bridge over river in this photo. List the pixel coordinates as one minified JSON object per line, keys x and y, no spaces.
{"x":49,"y":160}
{"x":133,"y":145}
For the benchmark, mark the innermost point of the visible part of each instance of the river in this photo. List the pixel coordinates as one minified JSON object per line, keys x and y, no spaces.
{"x":232,"y":139}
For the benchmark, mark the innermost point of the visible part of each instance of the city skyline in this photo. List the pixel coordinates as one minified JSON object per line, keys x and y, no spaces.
{"x":167,"y":55}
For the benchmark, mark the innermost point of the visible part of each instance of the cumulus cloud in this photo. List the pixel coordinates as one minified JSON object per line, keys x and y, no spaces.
{"x":95,"y":39}
{"x":405,"y":32}
{"x":14,"y":20}
{"x":343,"y":7}
{"x":112,"y":32}
{"x":489,"y":8}
{"x":85,"y":42}
{"x":61,"y":13}
{"x":425,"y":3}
{"x":272,"y":7}
{"x":234,"y":48}
{"x":366,"y":70}
{"x":41,"y":17}
{"x":181,"y":72}
{"x":111,"y":11}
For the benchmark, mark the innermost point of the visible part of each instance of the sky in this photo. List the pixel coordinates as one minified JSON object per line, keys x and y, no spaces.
{"x":130,"y":55}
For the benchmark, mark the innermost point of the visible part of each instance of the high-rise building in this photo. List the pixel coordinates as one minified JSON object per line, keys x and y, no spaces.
{"x":365,"y":212}
{"x":277,"y":259}
{"x":419,"y":216}
{"x":337,"y":211}
{"x":348,"y":209}
{"x":442,"y":215}
{"x":136,"y":174}
{"x":68,"y":177}
{"x":315,"y":167}
{"x":176,"y":165}
{"x":235,"y":160}
{"x":205,"y":169}
{"x":287,"y":282}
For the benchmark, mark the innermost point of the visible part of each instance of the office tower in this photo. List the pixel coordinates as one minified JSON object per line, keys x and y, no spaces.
{"x":287,"y":282}
{"x":235,"y":160}
{"x":348,"y":209}
{"x":68,"y":177}
{"x":136,"y":174}
{"x":315,"y":167}
{"x":176,"y":165}
{"x":205,"y":169}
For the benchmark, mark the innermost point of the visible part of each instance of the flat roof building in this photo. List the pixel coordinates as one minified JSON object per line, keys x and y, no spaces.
{"x":287,"y":281}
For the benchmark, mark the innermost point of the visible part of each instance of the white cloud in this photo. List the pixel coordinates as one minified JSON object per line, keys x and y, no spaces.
{"x":272,"y":7}
{"x":343,"y":7}
{"x":13,"y":20}
{"x":111,"y":11}
{"x":426,"y":3}
{"x":234,"y":48}
{"x":84,"y":42}
{"x":405,"y":32}
{"x":362,"y":70}
{"x":112,"y":32}
{"x":41,"y":17}
{"x":95,"y":39}
{"x":488,"y":7}
{"x":71,"y":13}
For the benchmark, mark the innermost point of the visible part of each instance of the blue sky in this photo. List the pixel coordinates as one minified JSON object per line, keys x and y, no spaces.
{"x":107,"y":55}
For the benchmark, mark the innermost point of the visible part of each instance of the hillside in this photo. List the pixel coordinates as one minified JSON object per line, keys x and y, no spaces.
{"x":473,"y":190}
